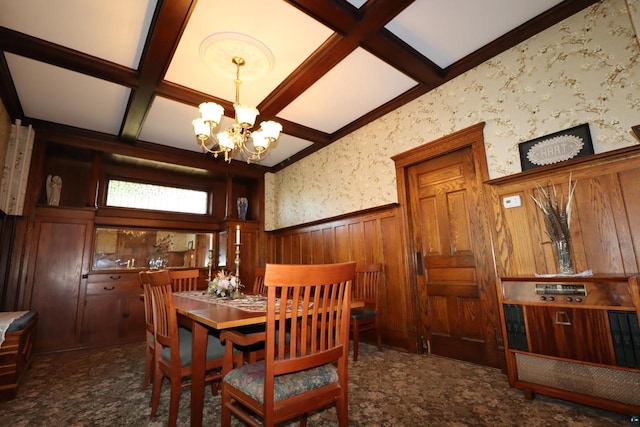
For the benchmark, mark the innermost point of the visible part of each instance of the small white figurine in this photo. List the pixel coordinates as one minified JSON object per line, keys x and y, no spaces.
{"x":54,"y":186}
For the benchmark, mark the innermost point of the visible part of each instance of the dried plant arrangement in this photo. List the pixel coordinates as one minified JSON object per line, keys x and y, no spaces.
{"x":556,"y":208}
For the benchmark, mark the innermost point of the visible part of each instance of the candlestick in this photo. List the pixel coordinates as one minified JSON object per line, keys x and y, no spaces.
{"x":237,"y":234}
{"x":237,"y":261}
{"x":210,"y":264}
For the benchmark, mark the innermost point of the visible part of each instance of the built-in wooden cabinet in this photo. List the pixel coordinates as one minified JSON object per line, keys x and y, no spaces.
{"x":113,"y":310}
{"x":574,"y":337}
{"x":86,"y":298}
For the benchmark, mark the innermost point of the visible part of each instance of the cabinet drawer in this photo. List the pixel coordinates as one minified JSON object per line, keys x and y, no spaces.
{"x":113,"y":283}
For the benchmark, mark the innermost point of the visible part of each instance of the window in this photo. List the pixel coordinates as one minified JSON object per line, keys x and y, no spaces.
{"x":126,"y":194}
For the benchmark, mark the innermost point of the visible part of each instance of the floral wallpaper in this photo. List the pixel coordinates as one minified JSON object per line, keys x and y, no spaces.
{"x":583,"y":70}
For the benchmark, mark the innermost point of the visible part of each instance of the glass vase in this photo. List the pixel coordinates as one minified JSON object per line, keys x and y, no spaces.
{"x":564,"y":260}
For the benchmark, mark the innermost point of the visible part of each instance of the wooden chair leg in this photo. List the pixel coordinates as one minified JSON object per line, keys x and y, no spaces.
{"x":225,"y":419}
{"x":354,"y":328}
{"x":148,"y":368}
{"x":379,"y":337}
{"x":342,"y":410}
{"x":174,"y":400}
{"x":155,"y":391}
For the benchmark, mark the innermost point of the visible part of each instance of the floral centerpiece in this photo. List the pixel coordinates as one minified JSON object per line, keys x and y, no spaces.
{"x":224,"y":284}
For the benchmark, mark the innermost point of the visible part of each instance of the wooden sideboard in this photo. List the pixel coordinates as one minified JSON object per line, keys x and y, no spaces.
{"x":113,"y":311}
{"x":574,"y":337}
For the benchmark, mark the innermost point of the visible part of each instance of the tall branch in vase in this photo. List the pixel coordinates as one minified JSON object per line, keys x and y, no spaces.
{"x":557,"y":219}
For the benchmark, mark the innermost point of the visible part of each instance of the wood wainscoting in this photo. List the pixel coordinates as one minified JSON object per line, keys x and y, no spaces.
{"x":369,"y":236}
{"x":605,"y":225}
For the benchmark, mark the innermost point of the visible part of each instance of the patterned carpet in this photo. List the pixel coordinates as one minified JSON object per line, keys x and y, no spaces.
{"x":101,"y":387}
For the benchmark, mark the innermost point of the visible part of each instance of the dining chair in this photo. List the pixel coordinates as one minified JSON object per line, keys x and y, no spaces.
{"x":365,"y":289}
{"x":310,"y":372}
{"x":148,"y":319}
{"x":172,"y":347}
{"x":184,"y":280}
{"x":258,"y":282}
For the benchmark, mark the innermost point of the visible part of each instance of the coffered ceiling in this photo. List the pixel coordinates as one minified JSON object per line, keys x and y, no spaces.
{"x":135,"y":70}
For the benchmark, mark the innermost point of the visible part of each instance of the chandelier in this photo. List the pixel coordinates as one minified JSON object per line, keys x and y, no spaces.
{"x":235,"y":138}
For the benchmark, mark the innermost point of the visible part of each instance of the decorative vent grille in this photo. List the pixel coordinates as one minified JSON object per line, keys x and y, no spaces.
{"x":613,"y":384}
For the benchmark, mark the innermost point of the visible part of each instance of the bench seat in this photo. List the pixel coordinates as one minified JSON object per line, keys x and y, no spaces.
{"x":16,"y":353}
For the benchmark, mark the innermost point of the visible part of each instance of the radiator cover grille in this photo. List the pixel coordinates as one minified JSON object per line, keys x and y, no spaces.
{"x":612,"y":384}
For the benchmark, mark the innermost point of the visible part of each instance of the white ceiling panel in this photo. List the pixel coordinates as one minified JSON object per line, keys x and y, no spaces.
{"x":169,"y":123}
{"x":291,"y":38}
{"x":61,"y":96}
{"x":350,"y":90}
{"x":357,"y":3}
{"x":114,"y":30}
{"x":431,"y":28}
{"x":286,"y":147}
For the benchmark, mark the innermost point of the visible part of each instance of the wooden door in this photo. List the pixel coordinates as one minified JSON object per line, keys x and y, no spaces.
{"x":446,"y":213}
{"x":59,"y":256}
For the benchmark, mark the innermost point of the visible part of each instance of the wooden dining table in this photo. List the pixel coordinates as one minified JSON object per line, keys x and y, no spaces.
{"x":199,"y":315}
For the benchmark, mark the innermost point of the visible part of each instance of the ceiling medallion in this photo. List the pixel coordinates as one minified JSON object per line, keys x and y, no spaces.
{"x":217,"y":49}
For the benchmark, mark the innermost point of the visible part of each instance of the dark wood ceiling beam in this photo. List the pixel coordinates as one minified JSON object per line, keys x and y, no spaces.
{"x":8,"y":94}
{"x":374,"y":16}
{"x":189,"y":96}
{"x":60,"y":56}
{"x":166,"y":29}
{"x":90,"y":140}
{"x":339,"y":17}
{"x":389,"y":48}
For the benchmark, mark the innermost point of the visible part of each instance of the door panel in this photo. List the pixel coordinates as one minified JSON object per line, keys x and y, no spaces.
{"x":56,"y":282}
{"x":443,"y":211}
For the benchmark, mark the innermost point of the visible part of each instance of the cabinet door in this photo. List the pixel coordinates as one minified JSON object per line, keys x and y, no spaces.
{"x":577,"y":334}
{"x":58,"y":257}
{"x":101,"y":319}
{"x":114,"y":311}
{"x":132,"y":326}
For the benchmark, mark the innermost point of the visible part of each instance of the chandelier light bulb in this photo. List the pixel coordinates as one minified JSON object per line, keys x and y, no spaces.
{"x":226,"y":141}
{"x":211,"y":112}
{"x":271,"y":129}
{"x":246,"y":115}
{"x":201,"y":128}
{"x":260,"y":141}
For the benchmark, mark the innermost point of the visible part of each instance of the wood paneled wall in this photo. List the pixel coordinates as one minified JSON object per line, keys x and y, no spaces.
{"x":371,"y":236}
{"x":605,"y":219}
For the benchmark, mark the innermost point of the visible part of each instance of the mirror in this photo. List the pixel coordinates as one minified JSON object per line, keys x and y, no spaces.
{"x":136,"y":248}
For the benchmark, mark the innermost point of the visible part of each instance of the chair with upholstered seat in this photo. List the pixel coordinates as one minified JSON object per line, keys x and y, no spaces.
{"x":310,"y":372}
{"x":184,"y":280}
{"x":172,"y":347}
{"x":148,"y":318}
{"x":365,"y":289}
{"x":258,"y":282}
